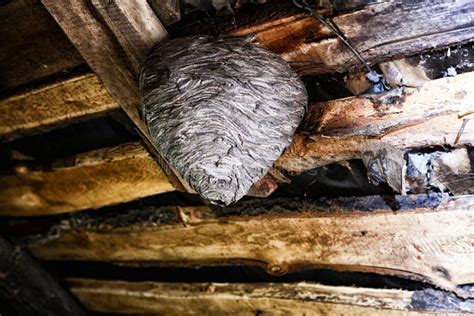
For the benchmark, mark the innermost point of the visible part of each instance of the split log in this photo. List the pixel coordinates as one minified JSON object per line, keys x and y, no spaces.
{"x":402,"y":119}
{"x":347,"y":234}
{"x":33,"y":45}
{"x":379,"y":31}
{"x":55,"y":104}
{"x":103,"y":52}
{"x":259,"y":298}
{"x":26,"y":289}
{"x":90,"y":180}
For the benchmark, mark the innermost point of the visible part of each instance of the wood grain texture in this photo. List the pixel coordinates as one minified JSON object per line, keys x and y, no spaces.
{"x":90,"y":180}
{"x":258,"y":298}
{"x":427,"y":239}
{"x":102,"y":51}
{"x":54,"y":104}
{"x":379,"y":31}
{"x":343,"y":129}
{"x":32,"y":44}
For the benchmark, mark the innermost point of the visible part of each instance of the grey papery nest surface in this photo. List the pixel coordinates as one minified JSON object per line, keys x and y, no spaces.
{"x":221,"y":111}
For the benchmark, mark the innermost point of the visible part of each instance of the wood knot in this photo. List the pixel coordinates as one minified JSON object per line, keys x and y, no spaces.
{"x":277,"y":269}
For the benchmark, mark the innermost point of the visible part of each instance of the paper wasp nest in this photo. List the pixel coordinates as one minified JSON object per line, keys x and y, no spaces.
{"x":220,"y":110}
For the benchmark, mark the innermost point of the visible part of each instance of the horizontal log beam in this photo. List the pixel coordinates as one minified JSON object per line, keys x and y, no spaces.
{"x":33,"y":45}
{"x":55,"y":104}
{"x":92,"y":180}
{"x":402,"y":119}
{"x":428,"y":236}
{"x":379,"y":31}
{"x":259,"y":298}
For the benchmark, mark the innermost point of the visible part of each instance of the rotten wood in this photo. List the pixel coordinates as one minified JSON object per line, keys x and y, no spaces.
{"x":55,"y":104}
{"x":379,"y":31}
{"x":103,"y":52}
{"x":32,"y":44}
{"x":27,"y":289}
{"x":89,"y":180}
{"x":347,"y":234}
{"x":401,"y":119}
{"x":259,"y":298}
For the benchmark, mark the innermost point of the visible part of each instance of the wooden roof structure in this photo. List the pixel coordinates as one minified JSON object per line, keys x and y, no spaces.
{"x":370,"y":210}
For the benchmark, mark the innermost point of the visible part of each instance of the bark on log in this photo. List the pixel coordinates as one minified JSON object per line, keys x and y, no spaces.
{"x":93,"y":179}
{"x":27,"y":289}
{"x":349,"y":234}
{"x":259,"y":298}
{"x":59,"y":103}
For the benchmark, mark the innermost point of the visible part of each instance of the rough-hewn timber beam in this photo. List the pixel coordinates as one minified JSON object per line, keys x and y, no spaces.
{"x":403,"y":119}
{"x":259,"y":298}
{"x":427,"y":238}
{"x":33,"y":45}
{"x":115,"y":57}
{"x":59,"y":103}
{"x":379,"y":31}
{"x":93,"y":179}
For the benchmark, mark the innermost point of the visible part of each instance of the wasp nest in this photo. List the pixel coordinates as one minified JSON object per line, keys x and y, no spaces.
{"x":220,"y":110}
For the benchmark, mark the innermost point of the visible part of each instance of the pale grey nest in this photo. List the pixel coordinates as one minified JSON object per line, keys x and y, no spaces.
{"x":221,"y":111}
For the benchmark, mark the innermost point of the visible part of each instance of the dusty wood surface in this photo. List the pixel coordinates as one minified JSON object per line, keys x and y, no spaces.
{"x":260,"y":298}
{"x":135,"y":26}
{"x":168,"y":11}
{"x":343,"y":129}
{"x":27,"y":289}
{"x":102,"y":51}
{"x":54,"y":104}
{"x":352,"y":234}
{"x":32,"y":44}
{"x":379,"y":31}
{"x":90,"y":180}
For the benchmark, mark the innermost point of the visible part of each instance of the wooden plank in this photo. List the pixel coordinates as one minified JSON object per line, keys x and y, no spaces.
{"x":401,"y":119}
{"x":27,"y":289}
{"x":103,"y":52}
{"x":90,"y":180}
{"x":349,"y":234}
{"x":55,"y":104}
{"x":33,"y":45}
{"x":379,"y":31}
{"x":259,"y":298}
{"x":168,"y":11}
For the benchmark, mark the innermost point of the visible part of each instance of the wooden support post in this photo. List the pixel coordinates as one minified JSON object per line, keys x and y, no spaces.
{"x":27,"y":289}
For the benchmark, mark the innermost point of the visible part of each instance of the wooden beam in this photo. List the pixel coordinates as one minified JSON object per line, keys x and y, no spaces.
{"x":403,"y":119}
{"x":168,"y":11}
{"x":379,"y":31}
{"x":33,"y":45}
{"x":90,"y":180}
{"x":55,"y":104}
{"x":109,"y":54}
{"x":259,"y":298}
{"x":426,"y":238}
{"x":27,"y":289}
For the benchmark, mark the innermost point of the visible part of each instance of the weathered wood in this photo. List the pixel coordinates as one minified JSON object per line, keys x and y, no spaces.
{"x":27,"y":289}
{"x":32,"y":44}
{"x":102,"y":51}
{"x":55,"y":104}
{"x":90,"y":180}
{"x":168,"y":11}
{"x":379,"y":31}
{"x":135,"y":26}
{"x":400,"y":119}
{"x":353,"y":234}
{"x":259,"y":298}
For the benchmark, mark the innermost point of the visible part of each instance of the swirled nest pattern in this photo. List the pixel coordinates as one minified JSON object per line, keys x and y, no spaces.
{"x":221,"y":111}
